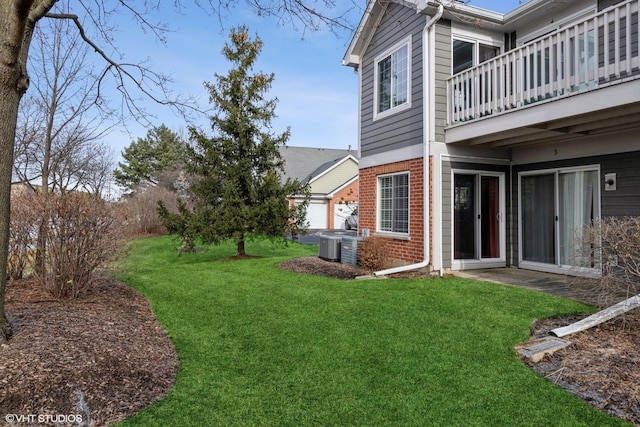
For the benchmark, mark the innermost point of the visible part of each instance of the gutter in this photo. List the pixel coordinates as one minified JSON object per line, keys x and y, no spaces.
{"x":427,"y":128}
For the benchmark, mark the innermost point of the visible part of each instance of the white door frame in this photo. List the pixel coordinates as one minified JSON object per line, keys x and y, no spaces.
{"x":479,"y":262}
{"x":556,"y":267}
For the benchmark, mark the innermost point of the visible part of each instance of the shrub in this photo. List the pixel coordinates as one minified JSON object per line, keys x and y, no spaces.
{"x":82,"y":233}
{"x":23,"y":230}
{"x":613,"y":245}
{"x":141,"y":210}
{"x":372,"y":253}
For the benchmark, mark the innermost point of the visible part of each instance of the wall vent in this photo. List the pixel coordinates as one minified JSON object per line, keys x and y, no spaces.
{"x":349,"y":250}
{"x":330,"y":248}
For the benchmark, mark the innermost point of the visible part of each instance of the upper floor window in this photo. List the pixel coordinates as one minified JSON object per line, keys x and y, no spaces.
{"x":469,"y":53}
{"x":392,"y":91}
{"x":393,"y":203}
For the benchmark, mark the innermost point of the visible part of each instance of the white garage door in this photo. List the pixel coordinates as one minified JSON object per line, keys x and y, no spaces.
{"x":317,"y":215}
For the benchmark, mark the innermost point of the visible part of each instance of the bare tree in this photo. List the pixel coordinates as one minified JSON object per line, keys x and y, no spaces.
{"x":18,"y":20}
{"x":63,"y":118}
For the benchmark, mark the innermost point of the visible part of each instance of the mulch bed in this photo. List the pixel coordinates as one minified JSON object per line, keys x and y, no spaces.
{"x":601,"y":366}
{"x":100,"y":358}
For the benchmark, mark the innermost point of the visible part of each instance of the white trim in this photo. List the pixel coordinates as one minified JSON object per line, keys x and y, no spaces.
{"x":556,"y":267}
{"x":408,"y":43}
{"x":393,"y":156}
{"x":392,"y":235}
{"x":501,"y":261}
{"x":614,"y":95}
{"x":477,"y":35}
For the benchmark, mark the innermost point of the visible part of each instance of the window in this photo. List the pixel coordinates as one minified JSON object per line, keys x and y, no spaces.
{"x":393,"y":205}
{"x":392,"y":79}
{"x":467,"y":54}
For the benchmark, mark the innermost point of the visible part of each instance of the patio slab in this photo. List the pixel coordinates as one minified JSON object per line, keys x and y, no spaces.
{"x":583,"y":290}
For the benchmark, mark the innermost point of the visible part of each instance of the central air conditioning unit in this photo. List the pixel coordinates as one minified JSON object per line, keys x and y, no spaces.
{"x":330,"y":248}
{"x":349,"y":250}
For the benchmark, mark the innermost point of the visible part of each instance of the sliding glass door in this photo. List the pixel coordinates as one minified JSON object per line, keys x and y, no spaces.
{"x":555,"y":207}
{"x":478,"y":226}
{"x":538,"y":218}
{"x":579,"y":206}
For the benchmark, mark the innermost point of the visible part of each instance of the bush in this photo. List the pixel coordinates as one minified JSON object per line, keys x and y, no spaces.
{"x":23,"y":231}
{"x":141,"y":210}
{"x":372,"y":253}
{"x":78,"y":232}
{"x":613,"y":245}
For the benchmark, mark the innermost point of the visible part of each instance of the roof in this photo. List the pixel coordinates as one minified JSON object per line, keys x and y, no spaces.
{"x":304,"y":163}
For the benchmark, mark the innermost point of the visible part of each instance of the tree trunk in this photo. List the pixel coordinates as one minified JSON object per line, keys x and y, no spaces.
{"x":241,"y":251}
{"x":9,"y":100}
{"x":16,"y":37}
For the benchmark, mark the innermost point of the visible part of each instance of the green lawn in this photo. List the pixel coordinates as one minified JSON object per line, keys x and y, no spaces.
{"x":263,"y":346}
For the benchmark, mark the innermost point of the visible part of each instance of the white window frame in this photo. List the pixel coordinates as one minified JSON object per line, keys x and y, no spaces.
{"x":476,"y":41}
{"x":398,"y":234}
{"x":406,"y":42}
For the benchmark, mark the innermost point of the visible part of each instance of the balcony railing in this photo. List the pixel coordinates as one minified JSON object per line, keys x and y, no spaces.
{"x":598,"y":51}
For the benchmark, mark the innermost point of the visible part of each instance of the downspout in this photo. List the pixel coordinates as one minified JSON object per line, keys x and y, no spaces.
{"x":428,"y":119}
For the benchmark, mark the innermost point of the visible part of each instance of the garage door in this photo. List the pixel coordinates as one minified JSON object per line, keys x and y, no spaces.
{"x":317,"y":215}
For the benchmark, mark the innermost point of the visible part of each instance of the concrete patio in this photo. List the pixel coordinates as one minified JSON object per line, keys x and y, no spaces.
{"x":583,"y":290}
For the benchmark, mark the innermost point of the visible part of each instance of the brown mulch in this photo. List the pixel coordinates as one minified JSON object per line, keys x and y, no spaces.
{"x":100,"y":358}
{"x":601,"y":366}
{"x":317,"y":266}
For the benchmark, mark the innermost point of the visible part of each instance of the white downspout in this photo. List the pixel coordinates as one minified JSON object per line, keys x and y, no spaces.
{"x":427,"y":127}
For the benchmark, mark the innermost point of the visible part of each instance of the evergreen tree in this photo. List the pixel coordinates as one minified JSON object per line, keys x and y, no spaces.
{"x":237,"y":173}
{"x":145,"y":160}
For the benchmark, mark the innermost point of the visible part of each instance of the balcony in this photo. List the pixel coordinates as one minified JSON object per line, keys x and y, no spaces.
{"x":580,"y":80}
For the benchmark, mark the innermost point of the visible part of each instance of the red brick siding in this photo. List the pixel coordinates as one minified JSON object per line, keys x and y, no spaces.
{"x":408,"y":251}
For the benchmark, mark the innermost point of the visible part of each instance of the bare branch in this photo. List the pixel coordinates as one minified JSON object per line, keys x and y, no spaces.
{"x":126,"y":74}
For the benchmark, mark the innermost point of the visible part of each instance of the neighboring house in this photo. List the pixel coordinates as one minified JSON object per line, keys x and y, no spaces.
{"x":489,"y":139}
{"x":333,"y":179}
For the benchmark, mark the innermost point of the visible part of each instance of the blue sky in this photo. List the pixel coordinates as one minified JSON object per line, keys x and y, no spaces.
{"x":317,"y":95}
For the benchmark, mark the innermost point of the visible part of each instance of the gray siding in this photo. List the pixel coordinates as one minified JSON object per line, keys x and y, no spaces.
{"x":442,"y":73}
{"x":405,"y":128}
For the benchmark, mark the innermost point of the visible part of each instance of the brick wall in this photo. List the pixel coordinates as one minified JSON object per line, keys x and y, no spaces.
{"x":404,"y":251}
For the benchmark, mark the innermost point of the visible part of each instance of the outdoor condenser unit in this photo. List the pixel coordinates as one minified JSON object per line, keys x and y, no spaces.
{"x":349,"y":252}
{"x":330,"y":248}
